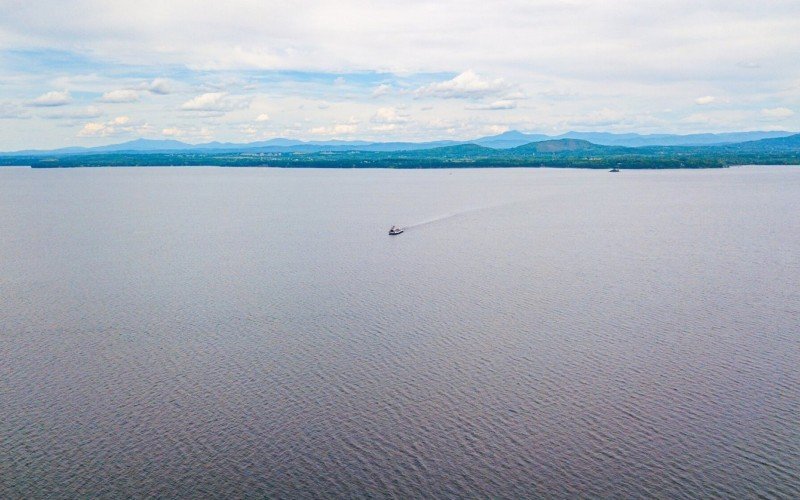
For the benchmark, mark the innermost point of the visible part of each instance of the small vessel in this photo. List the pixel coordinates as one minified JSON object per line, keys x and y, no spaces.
{"x":615,"y":169}
{"x":394,"y":230}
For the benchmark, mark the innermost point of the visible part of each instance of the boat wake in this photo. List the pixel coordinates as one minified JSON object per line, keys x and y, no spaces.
{"x":460,"y":213}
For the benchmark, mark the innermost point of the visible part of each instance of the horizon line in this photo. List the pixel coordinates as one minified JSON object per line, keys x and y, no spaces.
{"x":399,"y":141}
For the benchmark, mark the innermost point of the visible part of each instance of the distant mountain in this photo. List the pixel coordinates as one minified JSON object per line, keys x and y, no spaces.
{"x":507,"y":140}
{"x":772,"y":145}
{"x":144,"y":145}
{"x":514,"y":138}
{"x":454,"y":151}
{"x":405,"y":146}
{"x":637,"y":140}
{"x":560,"y":146}
{"x":510,"y":139}
{"x":556,"y":153}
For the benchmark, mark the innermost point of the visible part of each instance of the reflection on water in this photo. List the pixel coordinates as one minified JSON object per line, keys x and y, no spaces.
{"x":231,"y":332}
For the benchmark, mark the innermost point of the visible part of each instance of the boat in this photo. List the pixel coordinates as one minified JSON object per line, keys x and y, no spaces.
{"x":395,"y":230}
{"x":615,"y":169}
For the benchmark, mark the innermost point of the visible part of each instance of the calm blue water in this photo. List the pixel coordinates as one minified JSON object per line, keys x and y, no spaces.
{"x":213,"y":332}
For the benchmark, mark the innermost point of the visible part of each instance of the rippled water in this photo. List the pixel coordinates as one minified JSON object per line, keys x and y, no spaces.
{"x":255,"y":332}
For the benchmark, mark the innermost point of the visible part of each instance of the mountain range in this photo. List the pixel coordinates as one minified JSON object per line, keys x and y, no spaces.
{"x":564,"y":152}
{"x":506,"y":150}
{"x":506,"y":140}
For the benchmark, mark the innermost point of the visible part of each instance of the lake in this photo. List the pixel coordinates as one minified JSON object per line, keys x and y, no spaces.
{"x":224,"y":332}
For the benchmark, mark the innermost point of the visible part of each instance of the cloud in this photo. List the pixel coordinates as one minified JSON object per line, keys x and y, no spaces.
{"x":466,"y":85}
{"x":93,"y":129}
{"x":120,"y":96}
{"x":749,"y":65}
{"x":697,"y":118}
{"x":201,"y":133}
{"x":777,"y":113}
{"x":52,"y":99}
{"x":9,"y":110}
{"x":388,"y":116}
{"x":74,"y":114}
{"x":263,"y":117}
{"x":558,"y":94}
{"x":544,"y":36}
{"x":338,"y":129}
{"x":172,"y":132}
{"x":159,"y":86}
{"x":707,"y":99}
{"x":496,"y":129}
{"x":496,"y":105}
{"x":117,"y":126}
{"x":381,"y":90}
{"x":591,"y":55}
{"x":601,"y":118}
{"x":214,"y":101}
{"x":719,"y":120}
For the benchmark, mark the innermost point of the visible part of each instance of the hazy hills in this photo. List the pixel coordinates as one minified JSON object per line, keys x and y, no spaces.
{"x":514,"y":138}
{"x":505,"y":140}
{"x":563,"y":152}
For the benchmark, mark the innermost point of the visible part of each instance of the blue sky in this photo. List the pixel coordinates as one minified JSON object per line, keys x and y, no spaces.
{"x":90,"y":72}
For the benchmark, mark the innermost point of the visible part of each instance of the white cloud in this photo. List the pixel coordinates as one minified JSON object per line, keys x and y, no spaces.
{"x":11,"y":110}
{"x":388,"y":127}
{"x":558,"y":94}
{"x":263,"y":117}
{"x":51,"y":99}
{"x":601,"y":118}
{"x":93,"y":128}
{"x":335,"y":130}
{"x":697,"y":118}
{"x":74,"y":114}
{"x":117,"y":126}
{"x":172,"y":132}
{"x":720,"y":120}
{"x":120,"y":96}
{"x":159,"y":86}
{"x":496,"y":129}
{"x":214,"y":101}
{"x":544,"y":35}
{"x":189,"y":133}
{"x":749,"y":65}
{"x":381,"y":90}
{"x":707,"y":99}
{"x":551,"y":37}
{"x":569,"y":57}
{"x":777,"y":113}
{"x":496,"y":105}
{"x":192,"y":133}
{"x":466,"y":85}
{"x":388,"y":115}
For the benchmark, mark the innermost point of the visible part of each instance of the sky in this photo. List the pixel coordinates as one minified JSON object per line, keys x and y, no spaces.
{"x":90,"y":72}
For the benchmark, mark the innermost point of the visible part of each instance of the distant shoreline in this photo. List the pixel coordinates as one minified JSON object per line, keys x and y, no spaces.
{"x":427,"y":165}
{"x":561,"y":153}
{"x":505,"y":167}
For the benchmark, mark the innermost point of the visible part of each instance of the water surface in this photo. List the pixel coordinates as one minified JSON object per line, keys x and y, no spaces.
{"x":254,"y":332}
